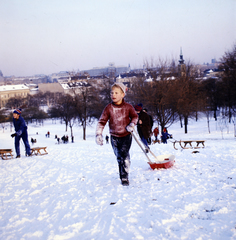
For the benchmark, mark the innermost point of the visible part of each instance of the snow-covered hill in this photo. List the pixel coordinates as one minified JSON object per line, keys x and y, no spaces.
{"x":74,"y":192}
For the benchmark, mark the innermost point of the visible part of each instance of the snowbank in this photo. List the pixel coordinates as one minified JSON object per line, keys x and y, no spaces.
{"x":74,"y":192}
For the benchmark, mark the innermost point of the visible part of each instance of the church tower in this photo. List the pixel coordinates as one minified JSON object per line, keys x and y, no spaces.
{"x":181,"y":66}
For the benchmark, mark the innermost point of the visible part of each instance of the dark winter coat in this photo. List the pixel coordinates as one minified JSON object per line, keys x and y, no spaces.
{"x":144,"y":129}
{"x":19,"y":125}
{"x":119,"y":116}
{"x":165,"y":136}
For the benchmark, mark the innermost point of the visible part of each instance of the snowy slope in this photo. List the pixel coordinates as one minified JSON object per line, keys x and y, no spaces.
{"x":74,"y":192}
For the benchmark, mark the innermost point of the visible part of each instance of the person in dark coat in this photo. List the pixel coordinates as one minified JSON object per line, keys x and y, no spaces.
{"x":149,"y":140}
{"x":143,"y":125}
{"x":20,"y":132}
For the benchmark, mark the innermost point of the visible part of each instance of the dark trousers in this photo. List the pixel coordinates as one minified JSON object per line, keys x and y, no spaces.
{"x":121,"y":146}
{"x":24,"y":137}
{"x":143,"y":139}
{"x":164,"y":140}
{"x":145,"y":142}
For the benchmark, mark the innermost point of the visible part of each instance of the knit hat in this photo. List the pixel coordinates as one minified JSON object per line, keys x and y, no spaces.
{"x":17,"y":111}
{"x":141,"y":105}
{"x":121,"y":86}
{"x":138,"y":108}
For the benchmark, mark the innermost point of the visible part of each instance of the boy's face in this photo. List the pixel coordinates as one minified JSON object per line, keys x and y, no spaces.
{"x":16,"y":116}
{"x":117,"y":95}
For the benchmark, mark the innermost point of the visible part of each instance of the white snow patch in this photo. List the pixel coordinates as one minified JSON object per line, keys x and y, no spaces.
{"x":74,"y":192}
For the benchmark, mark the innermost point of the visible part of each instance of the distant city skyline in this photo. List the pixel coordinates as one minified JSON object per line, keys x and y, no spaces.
{"x":45,"y":37}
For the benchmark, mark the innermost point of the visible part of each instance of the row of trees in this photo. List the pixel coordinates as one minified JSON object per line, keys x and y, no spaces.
{"x":72,"y":108}
{"x":185,"y":96}
{"x":171,"y":96}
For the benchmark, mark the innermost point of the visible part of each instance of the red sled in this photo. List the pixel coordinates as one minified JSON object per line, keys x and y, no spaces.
{"x":163,"y":161}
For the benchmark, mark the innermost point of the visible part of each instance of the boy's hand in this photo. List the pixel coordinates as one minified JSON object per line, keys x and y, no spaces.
{"x":130,"y":127}
{"x":13,"y":135}
{"x":99,"y":140}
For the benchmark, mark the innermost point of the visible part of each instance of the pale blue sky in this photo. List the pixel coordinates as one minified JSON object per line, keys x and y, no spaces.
{"x":47,"y":36}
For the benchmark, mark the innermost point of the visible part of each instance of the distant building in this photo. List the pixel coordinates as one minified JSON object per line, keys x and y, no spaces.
{"x":50,"y":87}
{"x":59,"y":77}
{"x":181,"y":66}
{"x":26,"y":80}
{"x":11,"y":91}
{"x":212,"y":73}
{"x":129,"y":78}
{"x":111,"y":70}
{"x":70,"y":87}
{"x":74,"y":87}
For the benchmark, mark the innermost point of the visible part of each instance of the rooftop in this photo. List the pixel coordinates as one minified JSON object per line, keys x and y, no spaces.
{"x":13,"y":87}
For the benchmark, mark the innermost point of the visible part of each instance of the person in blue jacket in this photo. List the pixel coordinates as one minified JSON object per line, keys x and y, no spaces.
{"x":165,"y":135}
{"x":20,"y":132}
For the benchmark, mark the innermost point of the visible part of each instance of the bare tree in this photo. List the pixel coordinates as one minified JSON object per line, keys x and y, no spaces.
{"x":228,"y":90}
{"x":105,"y":89}
{"x":16,"y":102}
{"x":87,"y":106}
{"x":188,"y":101}
{"x":158,"y":94}
{"x":4,"y":118}
{"x":66,"y":109}
{"x":222,"y":123}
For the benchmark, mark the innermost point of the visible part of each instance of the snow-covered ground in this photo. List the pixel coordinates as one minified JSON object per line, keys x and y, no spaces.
{"x":74,"y":192}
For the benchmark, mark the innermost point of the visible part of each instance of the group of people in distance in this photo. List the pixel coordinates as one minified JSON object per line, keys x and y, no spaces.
{"x":122,"y":118}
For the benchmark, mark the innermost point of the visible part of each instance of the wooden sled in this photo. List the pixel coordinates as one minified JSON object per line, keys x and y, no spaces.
{"x":187,"y":144}
{"x":37,"y":151}
{"x":156,"y":141}
{"x":174,"y":144}
{"x":6,"y":154}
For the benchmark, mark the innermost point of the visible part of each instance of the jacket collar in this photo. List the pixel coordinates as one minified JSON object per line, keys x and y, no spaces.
{"x":120,"y":105}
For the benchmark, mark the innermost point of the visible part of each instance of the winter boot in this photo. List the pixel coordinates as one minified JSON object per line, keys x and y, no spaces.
{"x":125,"y":182}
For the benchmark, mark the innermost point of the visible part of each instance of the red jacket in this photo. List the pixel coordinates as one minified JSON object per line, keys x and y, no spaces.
{"x":119,"y":117}
{"x":156,"y":131}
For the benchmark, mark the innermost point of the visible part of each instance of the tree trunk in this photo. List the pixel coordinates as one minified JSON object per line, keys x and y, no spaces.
{"x":186,"y":124}
{"x":71,"y":131}
{"x":84,"y":131}
{"x":215,"y":115}
{"x":230,"y":115}
{"x":181,"y":124}
{"x":208,"y":124}
{"x":234,"y":130}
